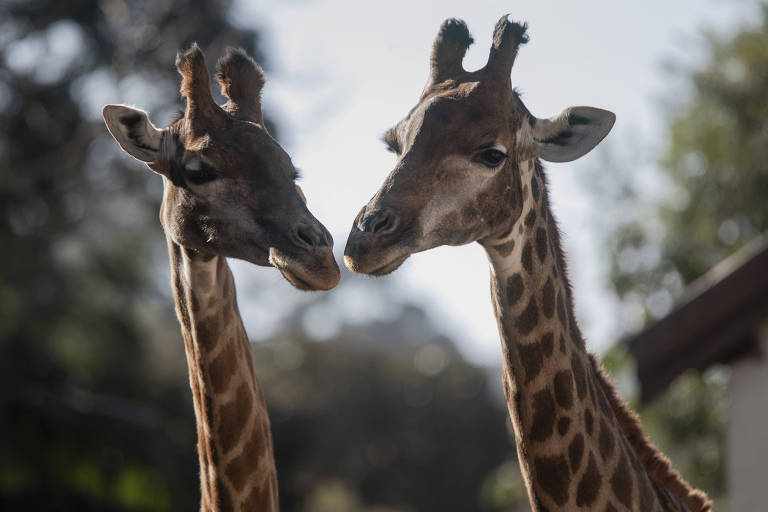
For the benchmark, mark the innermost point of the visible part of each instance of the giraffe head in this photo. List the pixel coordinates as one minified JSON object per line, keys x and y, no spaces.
{"x":229,"y":187}
{"x":460,"y":153}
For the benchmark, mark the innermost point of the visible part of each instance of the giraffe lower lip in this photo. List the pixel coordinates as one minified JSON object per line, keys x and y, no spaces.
{"x":389,"y":267}
{"x":296,"y":280}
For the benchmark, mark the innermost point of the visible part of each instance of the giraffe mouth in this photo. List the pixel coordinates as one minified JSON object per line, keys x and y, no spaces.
{"x":382,"y":270}
{"x":321,"y":273}
{"x":296,"y":281}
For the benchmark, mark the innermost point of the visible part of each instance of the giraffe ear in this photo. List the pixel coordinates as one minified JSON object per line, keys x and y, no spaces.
{"x":133,"y":130}
{"x":572,"y":133}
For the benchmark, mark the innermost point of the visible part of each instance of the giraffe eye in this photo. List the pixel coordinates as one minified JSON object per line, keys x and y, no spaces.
{"x":491,"y":157}
{"x":199,"y":173}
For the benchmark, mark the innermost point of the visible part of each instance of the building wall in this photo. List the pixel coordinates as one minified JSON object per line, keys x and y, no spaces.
{"x":747,"y":431}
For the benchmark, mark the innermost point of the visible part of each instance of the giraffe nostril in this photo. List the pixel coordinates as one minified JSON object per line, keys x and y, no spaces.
{"x":382,"y":224}
{"x":378,"y":223}
{"x":304,"y":236}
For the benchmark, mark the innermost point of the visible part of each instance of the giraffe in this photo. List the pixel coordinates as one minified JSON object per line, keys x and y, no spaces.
{"x":469,"y":169}
{"x":229,"y":191}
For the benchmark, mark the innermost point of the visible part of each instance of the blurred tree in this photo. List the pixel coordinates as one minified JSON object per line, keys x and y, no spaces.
{"x":714,"y":171}
{"x":383,"y":416}
{"x":83,"y":424}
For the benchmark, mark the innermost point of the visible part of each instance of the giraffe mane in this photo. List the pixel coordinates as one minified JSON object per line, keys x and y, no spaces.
{"x":655,"y":462}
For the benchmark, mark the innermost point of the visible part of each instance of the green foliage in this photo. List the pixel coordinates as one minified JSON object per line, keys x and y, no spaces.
{"x":688,"y":424}
{"x":715,"y":169}
{"x":504,"y":489}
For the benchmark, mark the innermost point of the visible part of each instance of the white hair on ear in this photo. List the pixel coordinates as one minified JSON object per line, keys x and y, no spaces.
{"x":572,"y":134}
{"x":133,"y":130}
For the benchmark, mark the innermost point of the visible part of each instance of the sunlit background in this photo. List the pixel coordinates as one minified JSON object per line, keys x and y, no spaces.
{"x":341,"y":73}
{"x":384,"y":393}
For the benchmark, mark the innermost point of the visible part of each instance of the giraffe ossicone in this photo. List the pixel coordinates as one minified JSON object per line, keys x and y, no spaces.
{"x":469,"y":170}
{"x":229,"y":191}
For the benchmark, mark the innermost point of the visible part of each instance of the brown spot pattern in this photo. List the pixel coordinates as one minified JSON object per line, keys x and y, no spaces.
{"x":515,"y":289}
{"x":530,"y":218}
{"x":206,"y":332}
{"x":220,"y":369}
{"x":621,"y":482}
{"x":203,"y":281}
{"x":532,"y":355}
{"x":589,"y":486}
{"x":528,"y":318}
{"x":541,"y":244}
{"x":562,"y":343}
{"x":469,"y":212}
{"x":560,"y":309}
{"x":575,"y":451}
{"x":553,"y":477}
{"x":591,"y":387}
{"x":564,"y":389}
{"x":589,"y":421}
{"x":232,"y":415}
{"x":547,"y":344}
{"x":543,"y":415}
{"x":563,"y":424}
{"x":505,"y":249}
{"x":527,"y":257}
{"x":535,"y":188}
{"x":548,"y":299}
{"x":258,"y":500}
{"x":610,"y":508}
{"x":579,"y":375}
{"x":602,"y":401}
{"x":644,"y":486}
{"x":505,"y":234}
{"x":239,"y":469}
{"x":531,"y":359}
{"x":605,"y":440}
{"x":225,"y":500}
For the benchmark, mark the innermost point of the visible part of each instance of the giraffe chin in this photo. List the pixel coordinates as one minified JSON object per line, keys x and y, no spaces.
{"x":320,"y":275}
{"x":295,"y":280}
{"x":381,"y":270}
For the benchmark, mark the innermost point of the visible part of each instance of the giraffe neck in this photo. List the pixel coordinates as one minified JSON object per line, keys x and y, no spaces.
{"x":570,"y":426}
{"x":237,"y":467}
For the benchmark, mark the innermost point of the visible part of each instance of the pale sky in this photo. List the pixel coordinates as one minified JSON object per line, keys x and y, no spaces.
{"x":342,"y":72}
